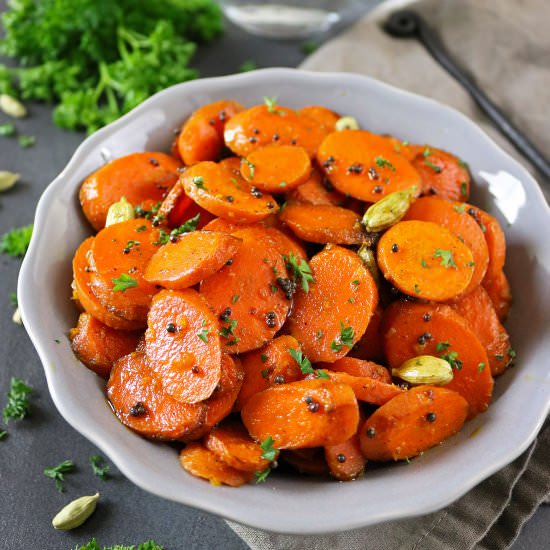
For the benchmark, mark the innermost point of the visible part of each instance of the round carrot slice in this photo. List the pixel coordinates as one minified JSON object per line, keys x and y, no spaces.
{"x":425,"y":260}
{"x":359,"y":367}
{"x":276,"y":169}
{"x":309,"y":413}
{"x":322,"y":115}
{"x":424,"y":329}
{"x":120,"y":254}
{"x":245,"y":294}
{"x":333,"y":315}
{"x":317,"y":190}
{"x":201,"y":137}
{"x":454,"y":216}
{"x":323,"y":224}
{"x":272,"y":125}
{"x":140,"y":402}
{"x":98,"y":346}
{"x":215,"y":189}
{"x":183,"y":345}
{"x":232,"y":444}
{"x":412,"y":423}
{"x":138,"y":177}
{"x":364,"y":165}
{"x":82,"y":271}
{"x":193,"y":257}
{"x":201,"y":462}
{"x":345,"y":460}
{"x":498,"y":289}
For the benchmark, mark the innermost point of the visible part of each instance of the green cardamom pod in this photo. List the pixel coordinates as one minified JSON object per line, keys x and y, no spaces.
{"x":346,"y":123}
{"x":369,"y":259}
{"x":120,"y":211}
{"x":425,"y":369}
{"x":75,"y":513}
{"x":11,"y":106}
{"x":388,"y":211}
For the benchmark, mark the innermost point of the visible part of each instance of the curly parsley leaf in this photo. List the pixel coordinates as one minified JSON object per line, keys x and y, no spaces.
{"x":58,"y":472}
{"x":446,"y":256}
{"x":305,"y":364}
{"x":384,"y":163}
{"x":147,"y":545}
{"x":300,"y":270}
{"x":17,"y":406}
{"x":15,"y":242}
{"x":100,"y":469}
{"x":123,"y":283}
{"x":345,"y":338}
{"x":269,"y":452}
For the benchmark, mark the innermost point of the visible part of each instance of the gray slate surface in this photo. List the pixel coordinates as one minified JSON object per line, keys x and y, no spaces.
{"x":126,"y":514}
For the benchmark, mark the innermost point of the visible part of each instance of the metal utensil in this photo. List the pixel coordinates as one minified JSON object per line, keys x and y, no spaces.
{"x":408,"y":24}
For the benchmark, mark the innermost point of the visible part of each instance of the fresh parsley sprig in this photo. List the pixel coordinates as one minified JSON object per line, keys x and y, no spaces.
{"x":18,"y":404}
{"x":305,"y":364}
{"x":345,"y":339}
{"x":58,"y":472}
{"x":15,"y":242}
{"x":100,"y":469}
{"x":300,"y":270}
{"x":123,"y":283}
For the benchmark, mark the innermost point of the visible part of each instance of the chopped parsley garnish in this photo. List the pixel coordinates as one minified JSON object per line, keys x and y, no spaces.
{"x":460,"y":209}
{"x":235,"y":298}
{"x":262,"y":476}
{"x":309,"y":47}
{"x":271,"y":103}
{"x":345,"y":338}
{"x":228,"y":330}
{"x":264,"y":373}
{"x":189,"y":226}
{"x":26,"y":141}
{"x":355,"y":282}
{"x":13,"y":299}
{"x":147,"y":214}
{"x":251,"y":167}
{"x":300,"y":270}
{"x":481,"y":367}
{"x":57,"y":473}
{"x":100,"y":469}
{"x":147,"y":545}
{"x":442,"y":346}
{"x":7,"y":129}
{"x":305,"y":364}
{"x":263,"y":358}
{"x":424,"y":264}
{"x":18,"y":404}
{"x":351,"y":300}
{"x":15,"y":242}
{"x":163,"y":238}
{"x":384,"y":163}
{"x":203,"y":334}
{"x":3,"y":435}
{"x":141,"y":228}
{"x":199,"y":182}
{"x":470,"y":264}
{"x":452,"y":358}
{"x":248,"y":66}
{"x":417,"y":289}
{"x":434,"y":167}
{"x":269,"y":452}
{"x":426,"y":153}
{"x":464,"y":189}
{"x":446,"y":258}
{"x":131,"y":244}
{"x":123,"y":283}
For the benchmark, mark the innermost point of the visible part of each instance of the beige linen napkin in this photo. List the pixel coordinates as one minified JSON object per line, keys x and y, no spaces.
{"x":506,"y":46}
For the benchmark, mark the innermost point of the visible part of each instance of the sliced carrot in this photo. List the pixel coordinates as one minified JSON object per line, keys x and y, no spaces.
{"x":322,"y":115}
{"x":82,"y":272}
{"x":442,"y":174}
{"x":359,"y":367}
{"x":183,"y":345}
{"x":201,"y":137}
{"x":138,"y":177}
{"x":479,"y":312}
{"x":140,"y":402}
{"x":216,"y":190}
{"x":272,"y":125}
{"x":498,"y":288}
{"x":232,"y":444}
{"x":276,"y":169}
{"x":307,"y":461}
{"x":245,"y":294}
{"x":120,"y":254}
{"x":193,"y":257}
{"x":268,"y":366}
{"x":317,"y":190}
{"x":309,"y":413}
{"x":98,"y":346}
{"x":323,"y":224}
{"x":201,"y":462}
{"x":425,"y":260}
{"x":412,"y":422}
{"x":345,"y":460}
{"x":371,"y":346}
{"x":423,"y":329}
{"x":454,"y":216}
{"x":364,"y":165}
{"x":330,"y":318}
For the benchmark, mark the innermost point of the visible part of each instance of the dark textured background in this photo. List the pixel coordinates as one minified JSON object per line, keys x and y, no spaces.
{"x":126,"y":514}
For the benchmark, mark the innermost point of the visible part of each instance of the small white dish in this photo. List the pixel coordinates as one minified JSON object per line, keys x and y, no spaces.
{"x":293,"y":504}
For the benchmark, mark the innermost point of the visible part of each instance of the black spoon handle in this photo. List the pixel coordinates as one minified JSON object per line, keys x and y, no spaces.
{"x":405,"y":24}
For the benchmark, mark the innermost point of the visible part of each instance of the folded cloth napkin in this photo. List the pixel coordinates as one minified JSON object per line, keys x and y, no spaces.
{"x":506,"y":46}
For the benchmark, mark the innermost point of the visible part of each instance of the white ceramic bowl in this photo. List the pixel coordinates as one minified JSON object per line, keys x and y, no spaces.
{"x":303,"y":505}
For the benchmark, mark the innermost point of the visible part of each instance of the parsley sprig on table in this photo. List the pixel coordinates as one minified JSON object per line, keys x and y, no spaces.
{"x":58,"y":472}
{"x":15,"y":242}
{"x":100,"y":469}
{"x":17,"y":406}
{"x":147,"y":545}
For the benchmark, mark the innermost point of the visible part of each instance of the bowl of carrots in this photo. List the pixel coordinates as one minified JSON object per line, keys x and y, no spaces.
{"x":303,"y":283}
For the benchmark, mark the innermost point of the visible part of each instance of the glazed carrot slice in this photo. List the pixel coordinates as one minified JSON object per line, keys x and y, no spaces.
{"x":330,"y":318}
{"x":263,"y":125}
{"x":119,"y":256}
{"x":479,"y":312}
{"x":82,"y":272}
{"x":183,"y":345}
{"x":137,"y":177}
{"x":98,"y":346}
{"x":443,"y":174}
{"x":345,"y":460}
{"x":317,"y":190}
{"x":268,"y":366}
{"x":307,"y":461}
{"x":309,"y":413}
{"x":498,"y":289}
{"x":276,"y":169}
{"x":201,"y":137}
{"x":232,"y":444}
{"x":193,"y":257}
{"x":140,"y":402}
{"x":454,"y":216}
{"x":323,"y":224}
{"x":364,"y":165}
{"x":423,"y":329}
{"x":369,"y":390}
{"x":322,"y":115}
{"x":370,"y":346}
{"x":425,"y":260}
{"x":245,"y":294}
{"x":358,"y":367}
{"x":412,"y":422}
{"x":218,"y":191}
{"x":177,"y":208}
{"x":201,"y":462}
